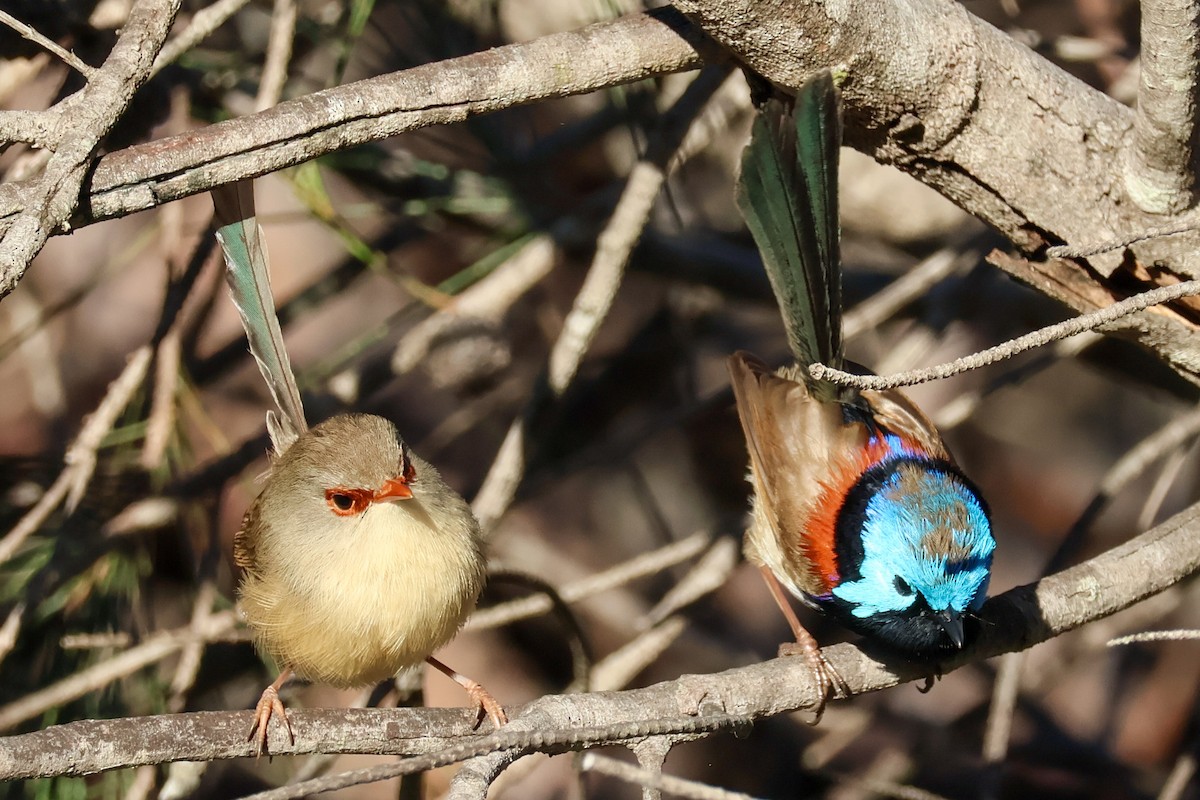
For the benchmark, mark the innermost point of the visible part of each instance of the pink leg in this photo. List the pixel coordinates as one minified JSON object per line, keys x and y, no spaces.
{"x":806,"y":646}
{"x":479,"y":695}
{"x":270,"y":705}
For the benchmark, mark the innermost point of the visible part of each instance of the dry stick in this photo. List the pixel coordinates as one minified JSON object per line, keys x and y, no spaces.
{"x":203,"y":23}
{"x":1158,"y":165}
{"x":1015,"y":620}
{"x":49,"y":203}
{"x":1127,"y":468}
{"x":189,"y":659}
{"x":279,"y":52}
{"x":916,"y":282}
{"x":1154,"y":636}
{"x":1086,"y":322}
{"x":882,"y":776}
{"x":80,"y":458}
{"x":708,"y":575}
{"x":1157,"y":496}
{"x":619,"y":667}
{"x":37,"y":354}
{"x":160,"y":422}
{"x":632,"y":48}
{"x":599,"y":288}
{"x":1000,"y":721}
{"x":30,"y":33}
{"x":155,"y":648}
{"x":1181,"y":775}
{"x":640,"y":566}
{"x":487,"y":299}
{"x":510,"y":742}
{"x":652,"y":779}
{"x":10,"y":629}
{"x":1184,"y":224}
{"x":885,"y":788}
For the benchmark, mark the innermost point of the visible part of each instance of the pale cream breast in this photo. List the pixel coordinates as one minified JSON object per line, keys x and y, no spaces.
{"x":356,"y":607}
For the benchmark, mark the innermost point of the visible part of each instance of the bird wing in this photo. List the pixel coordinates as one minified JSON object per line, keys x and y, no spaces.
{"x":804,"y":455}
{"x":250,"y":285}
{"x":787,"y":192}
{"x":893,"y":410}
{"x":244,"y":541}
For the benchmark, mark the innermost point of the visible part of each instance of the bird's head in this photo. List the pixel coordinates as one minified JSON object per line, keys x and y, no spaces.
{"x":914,"y":554}
{"x":340,"y":469}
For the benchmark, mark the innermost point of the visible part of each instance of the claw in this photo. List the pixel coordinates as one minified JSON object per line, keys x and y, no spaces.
{"x":269,"y":705}
{"x":486,"y":705}
{"x":830,"y":682}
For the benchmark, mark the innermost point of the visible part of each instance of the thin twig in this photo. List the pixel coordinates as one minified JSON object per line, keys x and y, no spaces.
{"x":1071,"y":327}
{"x":599,"y":289}
{"x":1155,"y":636}
{"x":640,"y":566}
{"x":706,"y":576}
{"x":621,"y":666}
{"x":640,"y":776}
{"x":279,"y":52}
{"x":49,"y":202}
{"x":1000,"y":721}
{"x":155,"y":648}
{"x":1182,"y":774}
{"x":1184,"y":224}
{"x":914,"y":283}
{"x":1125,"y":470}
{"x":32,"y":35}
{"x":80,"y":459}
{"x":203,"y":23}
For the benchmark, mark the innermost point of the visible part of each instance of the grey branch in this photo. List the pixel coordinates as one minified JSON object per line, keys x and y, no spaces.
{"x":148,"y":175}
{"x":1006,"y":135}
{"x":1013,"y":621}
{"x":47,"y":201}
{"x":1160,"y":165}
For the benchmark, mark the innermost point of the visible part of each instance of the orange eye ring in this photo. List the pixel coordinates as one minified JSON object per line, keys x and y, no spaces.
{"x":347,"y":502}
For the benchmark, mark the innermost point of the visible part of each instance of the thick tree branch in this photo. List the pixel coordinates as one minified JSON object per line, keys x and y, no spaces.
{"x":148,"y":175}
{"x":1013,"y":621}
{"x":48,"y":200}
{"x":1160,"y":167}
{"x":1003,"y":133}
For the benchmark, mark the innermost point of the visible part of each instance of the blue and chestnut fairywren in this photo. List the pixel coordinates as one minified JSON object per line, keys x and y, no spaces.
{"x":859,"y":509}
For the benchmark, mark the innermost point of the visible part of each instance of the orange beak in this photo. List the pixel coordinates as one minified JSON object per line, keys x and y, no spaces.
{"x":393,"y":489}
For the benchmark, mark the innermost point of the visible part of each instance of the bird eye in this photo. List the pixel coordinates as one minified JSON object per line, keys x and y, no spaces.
{"x":345,"y":502}
{"x":902,"y":586}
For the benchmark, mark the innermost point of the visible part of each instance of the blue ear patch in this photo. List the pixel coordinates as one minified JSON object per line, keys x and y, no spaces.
{"x":922,"y":533}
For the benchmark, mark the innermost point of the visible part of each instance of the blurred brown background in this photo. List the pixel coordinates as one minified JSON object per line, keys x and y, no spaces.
{"x":643,"y":450}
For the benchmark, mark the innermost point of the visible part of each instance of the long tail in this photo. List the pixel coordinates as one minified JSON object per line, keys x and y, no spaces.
{"x":788,"y":194}
{"x":250,"y":284}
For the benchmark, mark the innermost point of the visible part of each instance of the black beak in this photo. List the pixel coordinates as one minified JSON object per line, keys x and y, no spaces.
{"x":952,"y":624}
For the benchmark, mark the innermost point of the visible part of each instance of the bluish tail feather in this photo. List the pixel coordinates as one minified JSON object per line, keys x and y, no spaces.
{"x":788,"y":194}
{"x":249,"y":281}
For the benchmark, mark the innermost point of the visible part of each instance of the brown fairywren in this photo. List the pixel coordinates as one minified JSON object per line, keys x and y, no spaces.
{"x":358,"y":560}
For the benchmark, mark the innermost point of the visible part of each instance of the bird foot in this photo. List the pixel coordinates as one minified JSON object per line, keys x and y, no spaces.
{"x":486,"y":704}
{"x":269,"y":705}
{"x":830,"y":683}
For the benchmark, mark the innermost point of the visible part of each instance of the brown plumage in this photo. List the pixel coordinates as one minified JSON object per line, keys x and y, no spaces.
{"x":349,"y":599}
{"x":800,"y":446}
